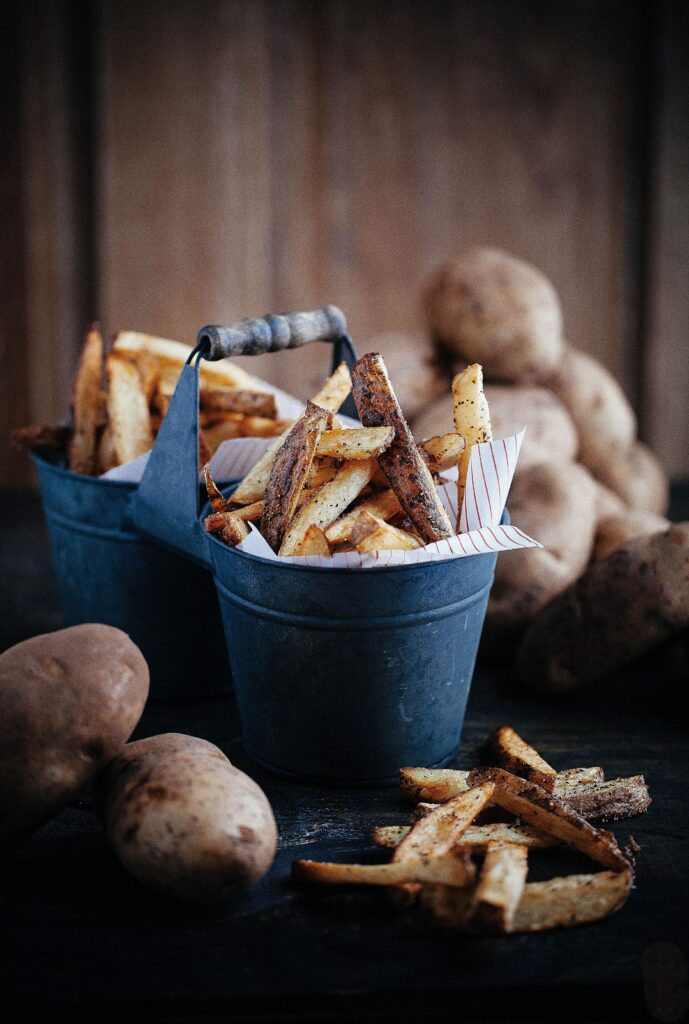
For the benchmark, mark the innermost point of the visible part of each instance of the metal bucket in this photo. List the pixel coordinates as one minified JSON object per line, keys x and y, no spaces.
{"x":108,"y":573}
{"x":341,"y":676}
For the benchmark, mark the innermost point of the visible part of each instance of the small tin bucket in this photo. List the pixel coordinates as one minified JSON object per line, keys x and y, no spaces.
{"x":109,"y":573}
{"x":341,"y":676}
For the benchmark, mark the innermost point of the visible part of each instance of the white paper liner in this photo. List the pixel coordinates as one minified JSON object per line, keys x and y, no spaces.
{"x":491,"y":468}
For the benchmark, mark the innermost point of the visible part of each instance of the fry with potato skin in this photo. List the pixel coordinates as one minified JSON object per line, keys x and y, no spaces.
{"x":402,"y":463}
{"x":472,"y":418}
{"x":441,"y":831}
{"x":546,"y":812}
{"x":499,"y":887}
{"x":87,"y":405}
{"x":328,"y":502}
{"x":250,"y":403}
{"x":443,"y":451}
{"x":290,"y":471}
{"x":514,"y":754}
{"x":450,"y":869}
{"x":128,"y":413}
{"x":218,"y":503}
{"x":355,"y":443}
{"x":476,"y":837}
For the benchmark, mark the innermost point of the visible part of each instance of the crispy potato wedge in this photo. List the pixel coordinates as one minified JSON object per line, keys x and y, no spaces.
{"x":572,"y":778}
{"x":443,"y":451}
{"x":261,"y":426}
{"x":476,"y":837}
{"x":499,"y":887}
{"x":432,"y":784}
{"x":87,"y":405}
{"x":610,"y":801}
{"x":239,"y":400}
{"x":330,"y":397}
{"x":289,"y":472}
{"x":441,"y":831}
{"x":218,"y":503}
{"x":551,"y":815}
{"x":130,"y":419}
{"x":231,"y":528}
{"x":251,"y":513}
{"x":322,"y":471}
{"x":557,"y":903}
{"x":449,"y":869}
{"x":314,"y":543}
{"x":513,"y":753}
{"x":384,"y":505}
{"x":364,"y":443}
{"x":149,"y":372}
{"x":172,"y":355}
{"x":402,"y":464}
{"x":328,"y":502}
{"x":371,"y":534}
{"x":41,"y":439}
{"x":472,"y":418}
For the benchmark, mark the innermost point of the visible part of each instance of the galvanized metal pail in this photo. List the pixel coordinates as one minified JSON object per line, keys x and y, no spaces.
{"x":341,"y":676}
{"x":107,"y":572}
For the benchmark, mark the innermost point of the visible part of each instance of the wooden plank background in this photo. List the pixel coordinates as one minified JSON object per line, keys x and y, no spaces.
{"x":183,"y":163}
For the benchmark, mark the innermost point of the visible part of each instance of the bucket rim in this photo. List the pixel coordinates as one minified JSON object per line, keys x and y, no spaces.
{"x":87,"y":480}
{"x":339,"y":572}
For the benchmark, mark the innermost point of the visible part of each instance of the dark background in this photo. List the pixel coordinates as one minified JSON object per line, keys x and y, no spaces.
{"x":171,"y":163}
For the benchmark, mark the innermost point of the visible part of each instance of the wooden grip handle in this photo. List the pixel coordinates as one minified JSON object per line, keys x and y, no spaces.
{"x":256,"y":335}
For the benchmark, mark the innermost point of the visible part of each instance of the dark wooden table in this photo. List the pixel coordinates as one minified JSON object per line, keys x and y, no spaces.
{"x":77,"y":934}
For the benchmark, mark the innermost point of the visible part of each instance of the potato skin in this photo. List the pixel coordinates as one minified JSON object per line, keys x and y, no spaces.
{"x":638,"y":479}
{"x":602,"y":415}
{"x":622,"y":607}
{"x":555,"y":504}
{"x":615,"y":530}
{"x":69,"y":701}
{"x":185,"y":821}
{"x":550,"y":432}
{"x":492,"y":308}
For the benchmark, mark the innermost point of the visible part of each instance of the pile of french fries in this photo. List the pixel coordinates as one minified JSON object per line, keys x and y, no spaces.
{"x":453,"y":825}
{"x":120,"y":397}
{"x":321,"y":489}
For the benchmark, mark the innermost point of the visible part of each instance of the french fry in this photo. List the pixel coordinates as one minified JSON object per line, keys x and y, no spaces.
{"x":571,"y":900}
{"x":250,"y":513}
{"x":441,"y":831}
{"x":87,"y":404}
{"x":314,"y":543}
{"x":499,"y":887}
{"x":402,"y":464}
{"x":239,"y":400}
{"x":610,"y":801}
{"x":364,"y":443}
{"x":557,"y":903}
{"x":328,"y":502}
{"x":128,"y":414}
{"x":371,"y":534}
{"x":224,"y":430}
{"x":384,"y":505}
{"x":260,"y":426}
{"x":514,"y":754}
{"x":289,"y":473}
{"x":149,"y":372}
{"x":472,"y":419}
{"x":448,"y":869}
{"x":330,"y":397}
{"x":546,"y":812}
{"x":218,"y":503}
{"x":172,"y":355}
{"x":476,"y":837}
{"x":322,"y":471}
{"x":443,"y":451}
{"x":432,"y":784}
{"x":107,"y":456}
{"x":231,"y":528}
{"x":573,"y":778}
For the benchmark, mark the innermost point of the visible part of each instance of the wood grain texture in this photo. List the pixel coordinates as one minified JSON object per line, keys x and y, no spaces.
{"x":665,"y":408}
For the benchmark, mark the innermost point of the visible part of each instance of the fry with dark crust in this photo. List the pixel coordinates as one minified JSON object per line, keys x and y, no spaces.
{"x":514,"y":754}
{"x":218,"y":503}
{"x":87,"y":405}
{"x":610,"y":801}
{"x":402,"y":463}
{"x":250,"y":403}
{"x":290,"y":471}
{"x":546,"y":812}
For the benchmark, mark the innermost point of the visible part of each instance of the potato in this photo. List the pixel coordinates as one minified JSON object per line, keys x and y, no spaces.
{"x":608,"y":503}
{"x":613,"y":531}
{"x":555,"y":504}
{"x":417,"y":377}
{"x":185,"y":821}
{"x":638,"y":478}
{"x":603,"y":417}
{"x":550,"y":432}
{"x":491,"y":308}
{"x":68,"y":702}
{"x":622,"y":607}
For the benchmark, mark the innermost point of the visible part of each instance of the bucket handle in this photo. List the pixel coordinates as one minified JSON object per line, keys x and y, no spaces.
{"x":166,"y":503}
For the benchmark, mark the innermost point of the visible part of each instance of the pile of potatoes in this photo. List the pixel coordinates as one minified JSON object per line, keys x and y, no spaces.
{"x":179,"y":816}
{"x":585,"y":487}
